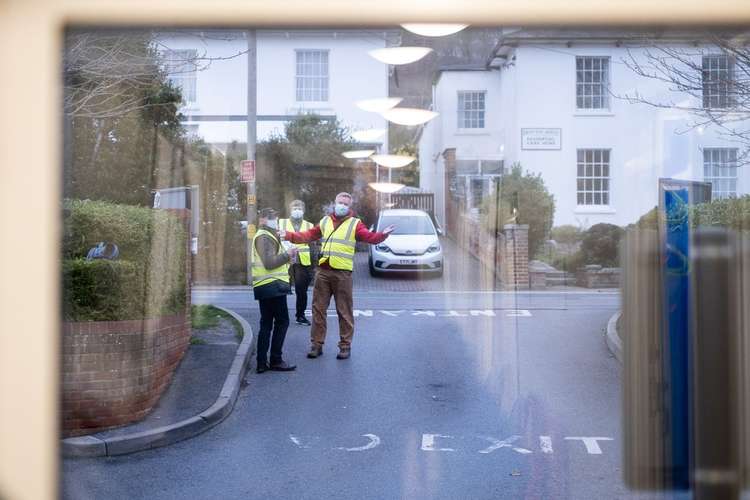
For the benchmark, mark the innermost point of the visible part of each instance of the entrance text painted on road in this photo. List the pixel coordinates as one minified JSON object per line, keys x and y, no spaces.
{"x":426,"y":313}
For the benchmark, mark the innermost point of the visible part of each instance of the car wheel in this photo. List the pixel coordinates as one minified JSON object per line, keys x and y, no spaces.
{"x":373,"y":272}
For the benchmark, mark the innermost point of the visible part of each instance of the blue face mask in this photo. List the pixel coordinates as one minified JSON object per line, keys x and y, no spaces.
{"x":340,"y":210}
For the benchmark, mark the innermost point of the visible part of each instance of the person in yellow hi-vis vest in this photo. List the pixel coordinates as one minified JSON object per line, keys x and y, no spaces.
{"x":339,"y":233}
{"x":270,"y":286}
{"x":301,"y":269}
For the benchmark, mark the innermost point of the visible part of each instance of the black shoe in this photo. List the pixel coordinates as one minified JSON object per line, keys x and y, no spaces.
{"x":282,"y":366}
{"x":262,"y":367}
{"x":303,"y":321}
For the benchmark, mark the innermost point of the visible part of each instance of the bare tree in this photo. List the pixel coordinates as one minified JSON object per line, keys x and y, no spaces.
{"x":108,"y":74}
{"x":709,"y":76}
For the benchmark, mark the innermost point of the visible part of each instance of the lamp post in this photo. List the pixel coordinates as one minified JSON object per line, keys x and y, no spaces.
{"x":251,"y":138}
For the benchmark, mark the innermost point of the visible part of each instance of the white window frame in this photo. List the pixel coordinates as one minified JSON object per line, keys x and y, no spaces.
{"x":593,"y":177}
{"x":473,"y":117}
{"x":182,"y":72}
{"x":718,"y":74}
{"x":593,"y":83}
{"x":312,"y":78}
{"x":720,"y":169}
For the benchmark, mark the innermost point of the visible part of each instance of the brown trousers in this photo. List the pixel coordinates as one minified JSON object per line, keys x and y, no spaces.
{"x":336,"y":283}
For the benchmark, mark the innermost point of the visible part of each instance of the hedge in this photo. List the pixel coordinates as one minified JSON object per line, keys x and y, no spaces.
{"x":726,"y":212}
{"x":148,"y":280}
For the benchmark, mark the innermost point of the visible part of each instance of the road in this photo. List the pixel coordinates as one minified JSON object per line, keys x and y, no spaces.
{"x":450,"y":393}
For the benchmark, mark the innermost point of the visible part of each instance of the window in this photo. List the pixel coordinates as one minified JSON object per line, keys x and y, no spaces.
{"x":312,"y":75}
{"x":718,"y":81}
{"x":593,"y":177}
{"x":470,"y":109}
{"x":720,"y":169}
{"x":181,"y":71}
{"x":592,"y":82}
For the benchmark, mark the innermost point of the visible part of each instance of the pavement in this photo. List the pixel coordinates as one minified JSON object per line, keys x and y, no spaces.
{"x":202,"y":392}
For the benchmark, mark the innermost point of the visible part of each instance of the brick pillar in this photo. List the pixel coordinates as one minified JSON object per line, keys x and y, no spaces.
{"x":516,"y":255}
{"x":451,"y":207}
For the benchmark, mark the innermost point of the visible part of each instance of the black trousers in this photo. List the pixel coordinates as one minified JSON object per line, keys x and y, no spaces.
{"x":274,"y":315}
{"x":302,"y":276}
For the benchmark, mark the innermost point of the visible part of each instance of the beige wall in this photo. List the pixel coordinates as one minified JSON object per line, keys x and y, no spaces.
{"x":30,"y":139}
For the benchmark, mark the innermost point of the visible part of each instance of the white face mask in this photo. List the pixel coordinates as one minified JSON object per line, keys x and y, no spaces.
{"x":341,"y":210}
{"x":297,"y":213}
{"x":272,"y":223}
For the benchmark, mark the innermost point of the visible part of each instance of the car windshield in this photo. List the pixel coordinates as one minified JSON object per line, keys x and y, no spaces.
{"x":407,"y":224}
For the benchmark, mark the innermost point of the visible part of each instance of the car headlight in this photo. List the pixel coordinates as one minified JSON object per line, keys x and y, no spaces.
{"x":382,"y":248}
{"x":433,"y":248}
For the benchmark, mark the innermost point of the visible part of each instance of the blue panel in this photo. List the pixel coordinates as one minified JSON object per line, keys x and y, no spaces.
{"x":676,"y":338}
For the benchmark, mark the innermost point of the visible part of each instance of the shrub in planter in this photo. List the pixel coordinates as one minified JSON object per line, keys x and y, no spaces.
{"x":536,"y":206}
{"x":601,"y":244}
{"x":147,"y":281}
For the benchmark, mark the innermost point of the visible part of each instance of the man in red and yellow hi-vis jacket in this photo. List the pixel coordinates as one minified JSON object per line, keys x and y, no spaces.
{"x":338,"y":233}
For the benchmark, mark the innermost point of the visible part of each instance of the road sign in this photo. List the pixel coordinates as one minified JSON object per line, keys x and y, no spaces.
{"x":251,"y":199}
{"x":247,"y":171}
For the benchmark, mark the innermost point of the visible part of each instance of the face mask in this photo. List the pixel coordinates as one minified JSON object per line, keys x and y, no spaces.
{"x":273,"y":224}
{"x":341,"y":210}
{"x":297,"y":213}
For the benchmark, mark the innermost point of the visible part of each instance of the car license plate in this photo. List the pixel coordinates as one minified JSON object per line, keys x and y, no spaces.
{"x":407,"y":261}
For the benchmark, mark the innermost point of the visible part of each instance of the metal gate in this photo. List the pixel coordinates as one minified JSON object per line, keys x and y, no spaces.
{"x":417,"y":201}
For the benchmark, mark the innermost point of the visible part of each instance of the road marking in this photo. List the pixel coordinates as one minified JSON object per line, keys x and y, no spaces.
{"x":545,"y":443}
{"x":392,"y":313}
{"x":591,"y":443}
{"x":295,"y":440}
{"x":450,"y":313}
{"x":428,"y":442}
{"x":374,"y":441}
{"x":423,"y":313}
{"x":505,"y":443}
{"x":524,"y":313}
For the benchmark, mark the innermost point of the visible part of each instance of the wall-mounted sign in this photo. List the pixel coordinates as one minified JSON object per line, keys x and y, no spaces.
{"x":251,"y":199}
{"x":247,"y":172}
{"x":541,"y":138}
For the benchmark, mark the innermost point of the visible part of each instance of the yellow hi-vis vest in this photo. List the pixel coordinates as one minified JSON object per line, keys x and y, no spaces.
{"x":339,"y":243}
{"x":261,"y":275}
{"x":304,"y":248}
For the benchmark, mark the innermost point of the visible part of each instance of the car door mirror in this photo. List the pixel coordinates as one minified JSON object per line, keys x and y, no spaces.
{"x":439,"y":231}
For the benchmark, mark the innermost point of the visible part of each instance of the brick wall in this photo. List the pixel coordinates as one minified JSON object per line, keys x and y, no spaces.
{"x":516,"y":268}
{"x":115,"y":371}
{"x":504,"y":258}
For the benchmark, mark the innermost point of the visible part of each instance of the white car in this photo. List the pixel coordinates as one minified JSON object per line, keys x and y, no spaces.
{"x":413,"y":246}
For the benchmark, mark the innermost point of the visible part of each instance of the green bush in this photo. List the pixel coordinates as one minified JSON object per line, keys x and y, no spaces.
{"x":568,"y":234}
{"x":536,"y":206}
{"x":148,"y":280}
{"x":600,"y":245}
{"x":726,"y":212}
{"x":569,"y":263}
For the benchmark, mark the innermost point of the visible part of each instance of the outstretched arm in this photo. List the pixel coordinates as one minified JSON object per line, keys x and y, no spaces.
{"x":311,"y":234}
{"x":371,"y":237}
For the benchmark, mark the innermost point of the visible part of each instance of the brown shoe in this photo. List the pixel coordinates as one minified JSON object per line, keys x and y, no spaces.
{"x":315,"y":351}
{"x":344,"y":354}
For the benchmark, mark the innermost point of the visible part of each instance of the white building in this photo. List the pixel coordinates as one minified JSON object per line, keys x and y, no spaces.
{"x":298,"y":72}
{"x":551,"y":100}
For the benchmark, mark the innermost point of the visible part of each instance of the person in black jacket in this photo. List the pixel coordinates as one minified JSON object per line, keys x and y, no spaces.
{"x":270,"y":287}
